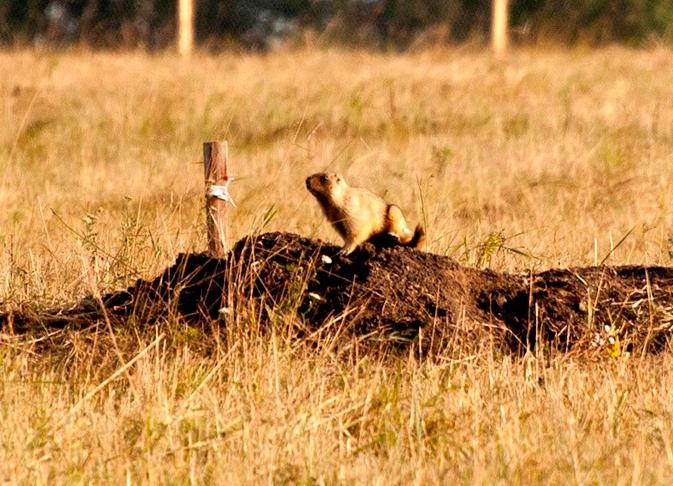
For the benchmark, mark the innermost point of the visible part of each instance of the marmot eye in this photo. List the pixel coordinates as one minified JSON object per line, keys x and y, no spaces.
{"x":323,"y":178}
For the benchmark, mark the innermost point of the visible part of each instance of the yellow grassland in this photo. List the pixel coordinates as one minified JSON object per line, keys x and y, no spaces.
{"x":546,"y":159}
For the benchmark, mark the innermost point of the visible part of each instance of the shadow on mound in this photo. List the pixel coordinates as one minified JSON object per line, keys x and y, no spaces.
{"x":397,"y":294}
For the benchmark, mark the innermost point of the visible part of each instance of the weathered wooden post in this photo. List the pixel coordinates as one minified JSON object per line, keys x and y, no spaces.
{"x":185,"y":27}
{"x":500,"y":27}
{"x":215,"y":156}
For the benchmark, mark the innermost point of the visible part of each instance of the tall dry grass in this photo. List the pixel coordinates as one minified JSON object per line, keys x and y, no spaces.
{"x":547,"y":159}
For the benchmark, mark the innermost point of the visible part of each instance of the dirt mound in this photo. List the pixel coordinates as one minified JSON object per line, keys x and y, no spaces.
{"x":396,"y":293}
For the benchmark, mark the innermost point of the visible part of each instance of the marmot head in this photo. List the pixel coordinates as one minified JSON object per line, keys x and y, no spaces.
{"x":326,"y":185}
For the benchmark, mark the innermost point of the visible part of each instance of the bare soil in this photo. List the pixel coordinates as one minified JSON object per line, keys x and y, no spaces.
{"x":395,"y":294}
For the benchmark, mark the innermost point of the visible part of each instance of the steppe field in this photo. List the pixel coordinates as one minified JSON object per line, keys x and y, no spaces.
{"x":550,"y":158}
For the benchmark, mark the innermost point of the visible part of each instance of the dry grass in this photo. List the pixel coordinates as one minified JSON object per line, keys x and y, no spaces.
{"x":556,"y":154}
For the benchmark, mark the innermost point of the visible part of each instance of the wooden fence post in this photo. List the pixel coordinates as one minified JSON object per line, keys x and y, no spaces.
{"x":185,"y":27}
{"x":500,"y":27}
{"x":215,"y":156}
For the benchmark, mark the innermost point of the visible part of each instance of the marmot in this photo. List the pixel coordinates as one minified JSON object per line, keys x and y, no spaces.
{"x":359,"y":215}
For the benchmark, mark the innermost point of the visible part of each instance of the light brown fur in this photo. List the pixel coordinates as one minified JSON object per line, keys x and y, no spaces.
{"x":359,"y":215}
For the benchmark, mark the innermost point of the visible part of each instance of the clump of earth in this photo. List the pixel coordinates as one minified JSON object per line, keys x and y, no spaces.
{"x":393,"y":295}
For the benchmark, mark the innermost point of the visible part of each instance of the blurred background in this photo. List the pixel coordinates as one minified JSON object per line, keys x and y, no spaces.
{"x":380,"y":24}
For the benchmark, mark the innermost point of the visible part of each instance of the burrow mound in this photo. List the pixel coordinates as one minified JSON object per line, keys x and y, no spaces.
{"x":396,"y":293}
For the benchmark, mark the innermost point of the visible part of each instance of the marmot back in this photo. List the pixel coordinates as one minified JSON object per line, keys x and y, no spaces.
{"x":359,"y":215}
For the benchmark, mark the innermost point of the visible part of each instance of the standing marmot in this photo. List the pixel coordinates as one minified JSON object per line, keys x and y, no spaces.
{"x":359,"y":215}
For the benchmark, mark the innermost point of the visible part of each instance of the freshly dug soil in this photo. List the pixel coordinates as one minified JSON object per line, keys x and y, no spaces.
{"x":394,"y":294}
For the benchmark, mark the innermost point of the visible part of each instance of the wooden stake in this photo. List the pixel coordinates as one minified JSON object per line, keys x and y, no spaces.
{"x":499,"y":27}
{"x":185,"y":27}
{"x":215,"y":156}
